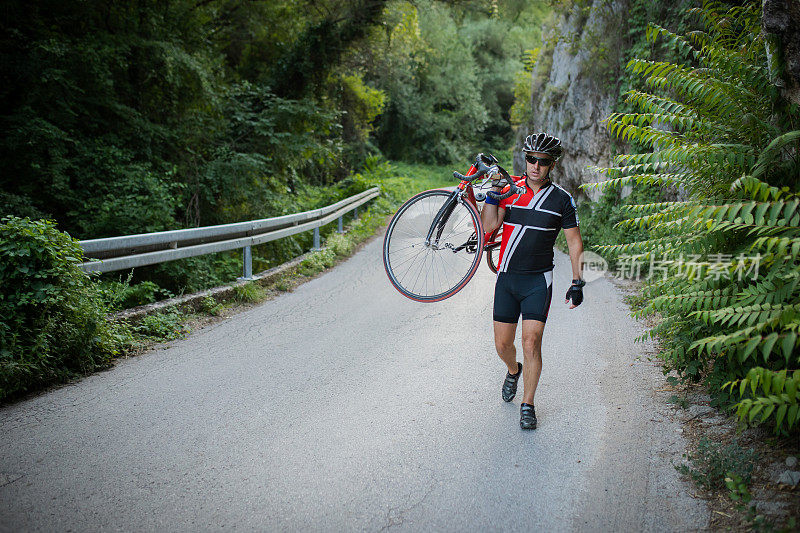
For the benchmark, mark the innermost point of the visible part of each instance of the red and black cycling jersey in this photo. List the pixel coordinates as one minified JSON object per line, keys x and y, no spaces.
{"x":530,"y":226}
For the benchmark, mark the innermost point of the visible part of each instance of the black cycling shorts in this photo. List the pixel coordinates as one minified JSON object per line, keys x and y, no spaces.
{"x":526,"y":294}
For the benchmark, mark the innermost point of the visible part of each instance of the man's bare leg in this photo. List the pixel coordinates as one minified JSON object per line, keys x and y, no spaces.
{"x":532,"y":331}
{"x":504,"y":334}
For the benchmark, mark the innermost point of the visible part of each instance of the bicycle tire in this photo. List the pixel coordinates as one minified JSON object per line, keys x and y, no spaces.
{"x":432,"y":273}
{"x":493,"y":250}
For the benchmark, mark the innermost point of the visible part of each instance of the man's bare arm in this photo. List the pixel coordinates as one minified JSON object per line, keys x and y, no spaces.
{"x":575,"y":244}
{"x":492,"y":217}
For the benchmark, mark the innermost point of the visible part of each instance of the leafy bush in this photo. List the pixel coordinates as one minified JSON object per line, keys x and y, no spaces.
{"x":712,"y":463}
{"x":363,"y":105}
{"x":122,"y":295}
{"x":139,"y":203}
{"x":717,"y":130}
{"x":426,"y":67}
{"x":768,"y":393}
{"x":211,"y":306}
{"x":317,"y":262}
{"x":600,"y":219}
{"x":283,"y":284}
{"x":54,"y":323}
{"x":166,"y":325}
{"x":340,"y":245}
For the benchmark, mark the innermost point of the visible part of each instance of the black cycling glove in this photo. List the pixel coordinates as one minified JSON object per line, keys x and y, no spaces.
{"x":575,"y":292}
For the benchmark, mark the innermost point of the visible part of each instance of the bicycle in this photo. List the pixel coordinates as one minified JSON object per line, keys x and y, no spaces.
{"x":434,"y":242}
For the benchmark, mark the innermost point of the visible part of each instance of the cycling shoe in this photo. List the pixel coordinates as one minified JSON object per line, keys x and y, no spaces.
{"x":510,"y":384}
{"x":527,"y":416}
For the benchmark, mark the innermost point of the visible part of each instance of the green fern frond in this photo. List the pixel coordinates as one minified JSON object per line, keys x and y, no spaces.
{"x":783,"y":246}
{"x":742,"y":342}
{"x":638,"y":179}
{"x":773,"y":151}
{"x":651,"y":103}
{"x":681,"y":44}
{"x":667,"y":243}
{"x":649,"y":136}
{"x":772,"y":393}
{"x":694,"y":301}
{"x":747,"y":315}
{"x":755,"y":188}
{"x":772,"y":288}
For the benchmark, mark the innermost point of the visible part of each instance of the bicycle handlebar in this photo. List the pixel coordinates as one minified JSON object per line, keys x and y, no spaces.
{"x":512,"y":187}
{"x":481,"y":169}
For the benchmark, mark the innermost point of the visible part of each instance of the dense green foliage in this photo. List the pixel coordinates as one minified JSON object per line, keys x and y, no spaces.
{"x":718,"y":133}
{"x":53,"y":323}
{"x":139,"y":116}
{"x":448,"y":74}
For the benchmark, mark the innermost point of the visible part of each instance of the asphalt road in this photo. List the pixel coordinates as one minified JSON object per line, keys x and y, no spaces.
{"x":343,"y":406}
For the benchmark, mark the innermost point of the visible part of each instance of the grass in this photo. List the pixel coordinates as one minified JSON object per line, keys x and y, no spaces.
{"x":248,"y":293}
{"x":283,"y":284}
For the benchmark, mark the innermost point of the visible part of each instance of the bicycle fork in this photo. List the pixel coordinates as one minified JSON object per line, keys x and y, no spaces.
{"x":439,"y":222}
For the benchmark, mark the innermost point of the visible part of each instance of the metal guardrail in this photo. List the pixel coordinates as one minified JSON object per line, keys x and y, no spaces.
{"x":130,"y":251}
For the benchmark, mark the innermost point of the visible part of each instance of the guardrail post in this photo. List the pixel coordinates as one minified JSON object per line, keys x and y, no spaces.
{"x":316,"y":240}
{"x":247,"y":263}
{"x":355,"y":212}
{"x":340,"y":228}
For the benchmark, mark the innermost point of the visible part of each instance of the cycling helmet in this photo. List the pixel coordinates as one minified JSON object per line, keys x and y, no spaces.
{"x":543,"y":143}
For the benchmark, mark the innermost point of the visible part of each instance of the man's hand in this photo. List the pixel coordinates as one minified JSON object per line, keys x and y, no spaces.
{"x":575,"y":292}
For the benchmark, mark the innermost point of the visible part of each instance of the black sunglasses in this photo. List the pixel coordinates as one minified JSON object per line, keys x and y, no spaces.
{"x":543,"y":162}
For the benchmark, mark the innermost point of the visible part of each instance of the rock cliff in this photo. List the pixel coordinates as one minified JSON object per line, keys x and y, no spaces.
{"x":575,"y":86}
{"x":781,"y":23}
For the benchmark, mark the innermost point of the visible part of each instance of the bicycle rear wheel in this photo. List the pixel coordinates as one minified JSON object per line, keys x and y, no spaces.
{"x":437,"y":270}
{"x":493,"y":249}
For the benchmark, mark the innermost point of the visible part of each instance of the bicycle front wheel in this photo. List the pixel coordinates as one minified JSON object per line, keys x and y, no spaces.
{"x":432,"y":271}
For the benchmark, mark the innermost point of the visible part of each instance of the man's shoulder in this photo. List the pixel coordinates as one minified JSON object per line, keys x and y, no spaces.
{"x":563,"y":197}
{"x":561,"y":191}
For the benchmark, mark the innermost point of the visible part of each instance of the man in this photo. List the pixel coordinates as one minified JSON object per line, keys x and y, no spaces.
{"x":531,"y":221}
